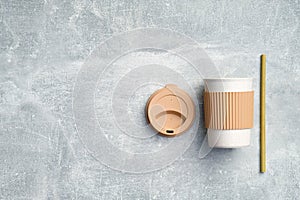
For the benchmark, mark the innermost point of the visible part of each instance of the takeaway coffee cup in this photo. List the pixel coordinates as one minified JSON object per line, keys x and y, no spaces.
{"x":228,"y":107}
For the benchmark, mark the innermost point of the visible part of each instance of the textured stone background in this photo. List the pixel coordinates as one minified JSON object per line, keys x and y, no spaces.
{"x":42,"y":47}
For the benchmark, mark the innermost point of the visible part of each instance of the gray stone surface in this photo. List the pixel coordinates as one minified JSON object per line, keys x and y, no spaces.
{"x":43,"y":45}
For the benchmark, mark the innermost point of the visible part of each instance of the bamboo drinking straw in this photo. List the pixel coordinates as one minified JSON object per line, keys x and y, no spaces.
{"x":263,"y":114}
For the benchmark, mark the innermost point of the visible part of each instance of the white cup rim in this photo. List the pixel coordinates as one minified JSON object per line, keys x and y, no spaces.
{"x":228,"y":84}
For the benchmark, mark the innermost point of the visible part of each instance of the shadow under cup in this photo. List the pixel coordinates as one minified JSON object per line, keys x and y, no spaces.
{"x":228,"y":106}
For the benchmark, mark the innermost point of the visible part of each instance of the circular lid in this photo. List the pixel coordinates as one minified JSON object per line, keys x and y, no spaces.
{"x":170,"y":110}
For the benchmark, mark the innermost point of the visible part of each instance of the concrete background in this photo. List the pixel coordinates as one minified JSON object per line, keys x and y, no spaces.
{"x":43,"y":44}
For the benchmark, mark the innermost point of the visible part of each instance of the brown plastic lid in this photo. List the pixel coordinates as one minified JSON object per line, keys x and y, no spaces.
{"x":170,"y":110}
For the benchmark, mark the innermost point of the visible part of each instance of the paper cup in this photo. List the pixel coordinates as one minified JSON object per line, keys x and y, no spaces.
{"x":228,"y":108}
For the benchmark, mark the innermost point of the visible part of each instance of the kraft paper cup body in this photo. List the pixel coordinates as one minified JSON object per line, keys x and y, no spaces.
{"x":229,"y":138}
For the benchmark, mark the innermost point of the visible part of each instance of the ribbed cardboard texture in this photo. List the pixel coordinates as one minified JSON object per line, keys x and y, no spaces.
{"x":229,"y":110}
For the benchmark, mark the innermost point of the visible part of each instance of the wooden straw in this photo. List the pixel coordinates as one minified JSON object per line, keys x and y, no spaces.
{"x":263,"y":114}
